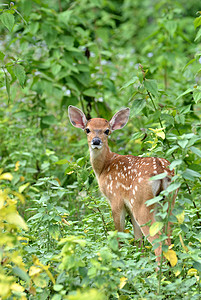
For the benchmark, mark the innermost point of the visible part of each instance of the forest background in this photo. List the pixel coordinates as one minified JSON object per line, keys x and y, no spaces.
{"x":57,"y":237}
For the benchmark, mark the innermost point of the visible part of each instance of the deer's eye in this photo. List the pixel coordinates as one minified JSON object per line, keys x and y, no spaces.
{"x":87,"y":130}
{"x":107,"y":131}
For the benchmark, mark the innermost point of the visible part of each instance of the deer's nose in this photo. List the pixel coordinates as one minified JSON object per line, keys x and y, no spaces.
{"x":96,"y":142}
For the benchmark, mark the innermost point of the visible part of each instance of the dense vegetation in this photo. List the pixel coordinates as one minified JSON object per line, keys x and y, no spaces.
{"x":57,"y":237}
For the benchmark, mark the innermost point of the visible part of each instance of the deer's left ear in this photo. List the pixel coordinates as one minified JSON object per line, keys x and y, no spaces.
{"x":120,"y":119}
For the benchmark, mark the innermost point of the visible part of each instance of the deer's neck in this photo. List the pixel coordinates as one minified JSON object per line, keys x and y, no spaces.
{"x":100,"y":159}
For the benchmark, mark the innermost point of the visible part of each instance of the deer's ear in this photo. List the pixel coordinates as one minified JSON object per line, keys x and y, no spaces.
{"x":120,"y":119}
{"x":77,"y":117}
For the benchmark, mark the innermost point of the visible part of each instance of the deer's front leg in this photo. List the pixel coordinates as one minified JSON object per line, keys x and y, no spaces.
{"x":118,"y":213}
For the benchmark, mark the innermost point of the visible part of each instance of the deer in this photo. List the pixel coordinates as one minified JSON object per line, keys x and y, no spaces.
{"x":124,"y":179}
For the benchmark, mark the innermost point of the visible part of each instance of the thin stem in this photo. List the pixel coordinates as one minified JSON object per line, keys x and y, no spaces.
{"x":20,"y":16}
{"x":150,"y":96}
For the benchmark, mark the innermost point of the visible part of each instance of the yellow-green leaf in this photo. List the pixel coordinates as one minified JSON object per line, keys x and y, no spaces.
{"x":14,"y":218}
{"x":123,"y":281}
{"x":39,"y":281}
{"x":19,"y":196}
{"x":182,"y":243}
{"x":33,"y":271}
{"x":192,"y":272}
{"x":171,"y":257}
{"x":17,"y":166}
{"x":155,"y":228}
{"x":17,"y":287}
{"x":2,"y":200}
{"x":23,"y":187}
{"x":6,"y":176}
{"x":180,"y":217}
{"x":177,"y":272}
{"x":161,"y":134}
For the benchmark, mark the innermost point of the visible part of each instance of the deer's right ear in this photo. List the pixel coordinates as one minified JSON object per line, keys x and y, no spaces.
{"x":77,"y":117}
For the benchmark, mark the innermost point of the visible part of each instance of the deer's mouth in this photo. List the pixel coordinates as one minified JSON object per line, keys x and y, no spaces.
{"x":96,"y":146}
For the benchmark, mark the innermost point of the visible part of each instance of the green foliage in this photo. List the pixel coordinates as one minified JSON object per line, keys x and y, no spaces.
{"x":98,"y":55}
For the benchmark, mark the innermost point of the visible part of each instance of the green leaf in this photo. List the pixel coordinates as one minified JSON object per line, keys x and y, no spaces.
{"x":159,"y":176}
{"x":8,"y":20}
{"x":167,"y":118}
{"x":196,"y":151}
{"x":171,"y":26}
{"x":138,"y":105}
{"x":130,"y":82}
{"x":58,"y":287}
{"x":21,"y":273}
{"x":183,"y":143}
{"x":83,"y":78}
{"x":2,"y":55}
{"x":36,"y":216}
{"x":172,"y":187}
{"x":184,"y":93}
{"x":155,"y":228}
{"x":189,"y":63}
{"x":104,"y":110}
{"x":55,"y":69}
{"x":20,"y":74}
{"x":62,"y":162}
{"x":90,"y":92}
{"x":191,"y":174}
{"x":197,"y":22}
{"x":175,"y":163}
{"x":64,"y":16}
{"x":49,"y":120}
{"x":171,"y":150}
{"x":137,"y":135}
{"x":154,"y":200}
{"x":198,"y":35}
{"x":151,"y":86}
{"x":197,"y":95}
{"x":197,"y":266}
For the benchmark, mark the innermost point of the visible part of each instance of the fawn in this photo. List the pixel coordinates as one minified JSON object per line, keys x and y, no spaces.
{"x":124,"y":179}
